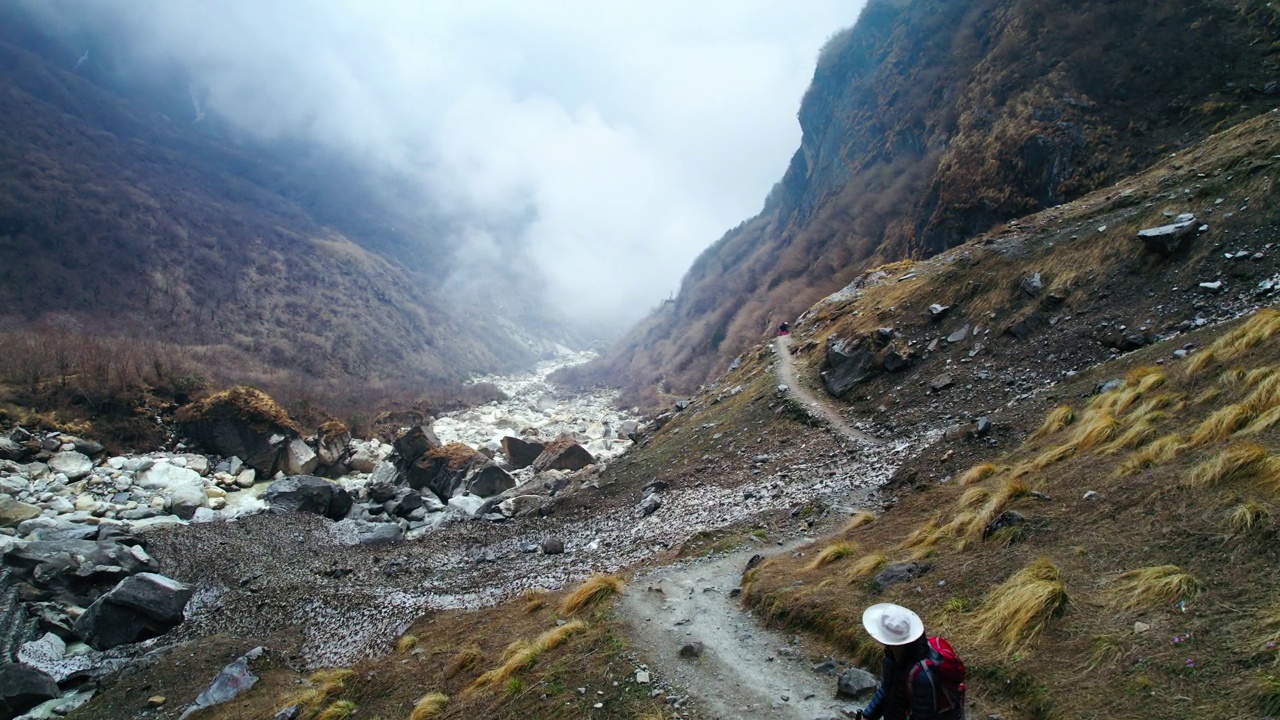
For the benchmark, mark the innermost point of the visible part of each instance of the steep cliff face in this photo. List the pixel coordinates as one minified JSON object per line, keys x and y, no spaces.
{"x":931,"y":121}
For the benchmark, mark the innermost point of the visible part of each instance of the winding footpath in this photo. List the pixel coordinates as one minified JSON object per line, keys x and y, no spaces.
{"x":786,"y":370}
{"x":745,"y":671}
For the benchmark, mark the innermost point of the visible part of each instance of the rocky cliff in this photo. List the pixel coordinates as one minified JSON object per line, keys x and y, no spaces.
{"x":929,"y":122}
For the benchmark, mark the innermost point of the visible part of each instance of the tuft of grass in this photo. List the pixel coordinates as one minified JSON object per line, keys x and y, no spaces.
{"x":1221,"y":424}
{"x":522,"y":654}
{"x":865,"y":567}
{"x":1123,"y":400}
{"x":961,"y":524}
{"x":1172,"y":402}
{"x":1260,"y":327}
{"x":1057,"y":419}
{"x":1095,"y":430}
{"x":464,"y":659}
{"x":323,"y":686}
{"x":429,"y":706}
{"x":338,"y":711}
{"x":832,"y":553}
{"x":973,"y":497}
{"x":1247,"y":518}
{"x":1105,"y":651}
{"x":534,"y":600}
{"x":1011,"y":490}
{"x":1055,"y":454}
{"x":1137,"y":435}
{"x":977,"y":473}
{"x":556,"y":636}
{"x":1017,"y":610}
{"x":1161,"y":451}
{"x":594,"y":590}
{"x":925,"y":536}
{"x":406,"y":643}
{"x":1246,"y":461}
{"x":1263,"y":422}
{"x":860,"y":518}
{"x":1145,"y":377}
{"x":1151,"y":586}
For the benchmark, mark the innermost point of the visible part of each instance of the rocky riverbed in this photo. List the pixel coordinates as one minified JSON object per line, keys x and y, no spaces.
{"x":463,"y":513}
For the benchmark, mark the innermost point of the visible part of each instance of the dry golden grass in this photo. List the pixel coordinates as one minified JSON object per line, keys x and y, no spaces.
{"x":1010,"y":490}
{"x":1145,"y":377}
{"x":594,"y":590}
{"x":961,"y":524}
{"x":406,"y":643}
{"x":977,"y":473}
{"x":1173,"y":402}
{"x":1262,"y":423}
{"x":338,"y":711}
{"x":860,"y":518}
{"x":322,"y":687}
{"x":1095,"y":430}
{"x":522,"y":654}
{"x":1151,"y":586}
{"x":832,"y":553}
{"x":464,"y":659}
{"x":1123,"y":400}
{"x":1138,"y":435}
{"x":973,"y":497}
{"x":865,"y":567}
{"x":1017,"y":610}
{"x":1265,"y":395}
{"x":1259,"y":328}
{"x":1232,"y":378}
{"x":925,"y":536}
{"x":1248,"y":518}
{"x":1208,"y":396}
{"x":429,"y":706}
{"x":1057,"y":419}
{"x":1158,"y":452}
{"x":1246,"y":461}
{"x":534,"y":600}
{"x":1260,"y":375}
{"x":1053,"y":455}
{"x":1220,"y":425}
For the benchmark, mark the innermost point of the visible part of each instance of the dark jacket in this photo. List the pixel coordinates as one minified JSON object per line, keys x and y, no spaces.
{"x":904,"y":697}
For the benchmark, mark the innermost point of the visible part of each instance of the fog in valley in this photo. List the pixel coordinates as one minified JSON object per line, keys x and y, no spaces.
{"x":602,"y":145}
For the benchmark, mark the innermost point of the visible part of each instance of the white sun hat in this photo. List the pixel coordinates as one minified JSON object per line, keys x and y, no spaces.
{"x":892,"y":624}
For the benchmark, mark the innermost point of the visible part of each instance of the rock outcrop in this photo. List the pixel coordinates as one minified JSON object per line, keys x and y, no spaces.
{"x":308,"y":493}
{"x":454,"y":468}
{"x":242,"y":422}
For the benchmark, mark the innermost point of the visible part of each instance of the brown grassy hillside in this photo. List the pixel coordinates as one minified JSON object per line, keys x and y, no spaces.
{"x":117,"y":220}
{"x":929,"y":122}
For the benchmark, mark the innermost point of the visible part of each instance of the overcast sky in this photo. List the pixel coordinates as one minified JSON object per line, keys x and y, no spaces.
{"x":637,"y":131}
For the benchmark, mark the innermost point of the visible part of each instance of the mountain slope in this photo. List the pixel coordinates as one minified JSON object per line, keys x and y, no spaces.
{"x":929,"y":122}
{"x":115,"y":219}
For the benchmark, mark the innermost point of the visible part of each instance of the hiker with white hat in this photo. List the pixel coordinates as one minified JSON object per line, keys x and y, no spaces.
{"x":922,"y":677}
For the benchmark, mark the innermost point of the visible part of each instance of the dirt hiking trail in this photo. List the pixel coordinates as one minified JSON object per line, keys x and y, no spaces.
{"x":744,"y":670}
{"x":786,"y":370}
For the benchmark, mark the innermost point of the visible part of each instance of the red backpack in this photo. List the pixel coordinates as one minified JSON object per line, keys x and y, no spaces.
{"x":948,"y":675}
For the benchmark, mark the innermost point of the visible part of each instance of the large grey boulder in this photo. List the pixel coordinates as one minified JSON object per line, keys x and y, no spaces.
{"x":1168,"y":239}
{"x":308,"y":493}
{"x":563,"y":454}
{"x":72,"y":464}
{"x":415,"y":443}
{"x":856,"y":682}
{"x":521,"y":453}
{"x":331,"y":442}
{"x":186,"y":499}
{"x":22,"y":688}
{"x":140,"y":607}
{"x":243,"y":422}
{"x":12,"y":450}
{"x":455,"y":468}
{"x":848,"y":363}
{"x":299,"y":458}
{"x":163,"y":475}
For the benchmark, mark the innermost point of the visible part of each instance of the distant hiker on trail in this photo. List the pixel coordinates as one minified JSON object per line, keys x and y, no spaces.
{"x":784,"y":329}
{"x":922,"y":677}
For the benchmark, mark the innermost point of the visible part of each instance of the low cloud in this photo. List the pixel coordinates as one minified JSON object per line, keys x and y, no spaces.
{"x":617,"y":139}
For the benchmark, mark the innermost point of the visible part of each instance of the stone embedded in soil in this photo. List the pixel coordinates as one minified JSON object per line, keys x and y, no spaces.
{"x":899,"y":573}
{"x":855,"y":682}
{"x":692,"y":650}
{"x":552,"y":546}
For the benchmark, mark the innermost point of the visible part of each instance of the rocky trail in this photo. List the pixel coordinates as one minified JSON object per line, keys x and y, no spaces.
{"x":786,"y":370}
{"x":686,"y":623}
